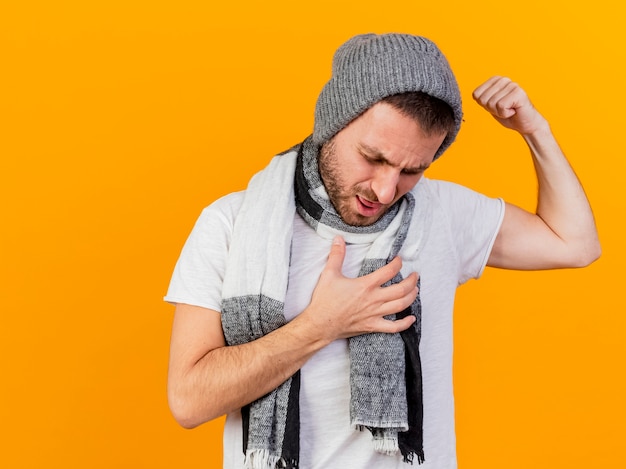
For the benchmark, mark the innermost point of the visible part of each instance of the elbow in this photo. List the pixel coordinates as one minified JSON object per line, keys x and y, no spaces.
{"x":187,"y":422}
{"x":183,"y":412}
{"x":187,"y":412}
{"x":594,"y":256}
{"x":588,"y":254}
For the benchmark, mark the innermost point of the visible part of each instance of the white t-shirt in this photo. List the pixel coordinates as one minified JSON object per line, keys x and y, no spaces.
{"x":457,"y":244}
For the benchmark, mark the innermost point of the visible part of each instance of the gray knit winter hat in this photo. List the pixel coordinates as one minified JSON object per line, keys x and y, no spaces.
{"x":370,"y":67}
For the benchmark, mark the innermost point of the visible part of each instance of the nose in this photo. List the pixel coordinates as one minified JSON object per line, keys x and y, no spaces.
{"x":385,"y":184}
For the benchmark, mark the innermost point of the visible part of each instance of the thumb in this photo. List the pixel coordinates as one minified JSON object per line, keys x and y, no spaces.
{"x":337,"y":255}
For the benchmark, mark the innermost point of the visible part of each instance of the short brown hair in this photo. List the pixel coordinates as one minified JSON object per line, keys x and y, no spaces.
{"x":433,"y":114}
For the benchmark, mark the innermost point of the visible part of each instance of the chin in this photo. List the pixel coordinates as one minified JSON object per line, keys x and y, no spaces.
{"x":359,"y":220}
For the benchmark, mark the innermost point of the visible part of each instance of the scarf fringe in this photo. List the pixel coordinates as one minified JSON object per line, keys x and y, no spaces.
{"x":408,"y":458}
{"x":260,"y":459}
{"x":387,"y":446}
{"x":263,"y":459}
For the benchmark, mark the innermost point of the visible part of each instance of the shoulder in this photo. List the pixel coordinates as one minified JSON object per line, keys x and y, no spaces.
{"x":222,"y":211}
{"x":442,"y":189}
{"x":450,"y":196}
{"x":227,"y":204}
{"x":215,"y":223}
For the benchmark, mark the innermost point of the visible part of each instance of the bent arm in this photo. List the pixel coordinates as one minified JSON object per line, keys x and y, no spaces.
{"x":562,"y":232}
{"x":207,"y":379}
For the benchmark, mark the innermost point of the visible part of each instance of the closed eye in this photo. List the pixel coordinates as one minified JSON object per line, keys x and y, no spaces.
{"x":379,"y":159}
{"x":373,"y":159}
{"x":412,"y":171}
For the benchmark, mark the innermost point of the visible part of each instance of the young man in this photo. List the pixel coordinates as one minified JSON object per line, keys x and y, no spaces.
{"x":315,"y":308}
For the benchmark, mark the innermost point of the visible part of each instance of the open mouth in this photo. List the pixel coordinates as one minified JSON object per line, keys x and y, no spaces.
{"x":367,"y":207}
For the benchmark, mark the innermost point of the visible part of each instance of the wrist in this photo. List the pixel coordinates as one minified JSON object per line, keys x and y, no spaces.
{"x":310,"y":329}
{"x":539,"y":131}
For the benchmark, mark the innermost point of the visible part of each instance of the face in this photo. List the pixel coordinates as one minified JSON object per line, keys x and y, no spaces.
{"x":374,"y":161}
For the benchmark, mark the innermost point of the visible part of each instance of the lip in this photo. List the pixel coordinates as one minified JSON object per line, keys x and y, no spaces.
{"x":368,"y":208}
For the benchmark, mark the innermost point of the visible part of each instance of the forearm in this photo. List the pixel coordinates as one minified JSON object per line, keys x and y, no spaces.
{"x":228,"y":377}
{"x":562,"y":203}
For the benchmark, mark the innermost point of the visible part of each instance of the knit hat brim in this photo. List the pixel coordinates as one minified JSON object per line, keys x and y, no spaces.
{"x":368,"y":68}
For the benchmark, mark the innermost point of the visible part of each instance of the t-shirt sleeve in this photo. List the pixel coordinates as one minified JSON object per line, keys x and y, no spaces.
{"x":199,"y":272}
{"x":474,"y":220}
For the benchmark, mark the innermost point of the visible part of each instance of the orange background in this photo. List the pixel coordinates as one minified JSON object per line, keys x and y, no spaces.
{"x":121,"y":120}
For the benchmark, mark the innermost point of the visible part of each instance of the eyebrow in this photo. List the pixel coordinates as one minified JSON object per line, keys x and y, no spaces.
{"x":380,"y":157}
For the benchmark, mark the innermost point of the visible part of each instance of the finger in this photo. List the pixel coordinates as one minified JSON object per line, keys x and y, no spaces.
{"x":491,"y":89}
{"x":398,"y":304}
{"x":384,"y":274}
{"x":337,"y":255}
{"x":504,"y":102}
{"x":497,"y":90}
{"x":397,"y":297}
{"x":392,"y":327}
{"x":404,"y":323}
{"x":501,"y":97}
{"x":487,"y":88}
{"x":408,"y":286}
